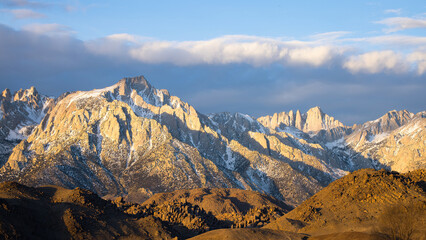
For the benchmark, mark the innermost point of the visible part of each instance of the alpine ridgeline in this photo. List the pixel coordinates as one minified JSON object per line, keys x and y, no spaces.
{"x":132,"y":139}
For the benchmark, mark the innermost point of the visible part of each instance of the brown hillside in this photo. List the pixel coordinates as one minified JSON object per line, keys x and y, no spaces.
{"x":56,"y":213}
{"x":250,"y":233}
{"x":356,"y":202}
{"x":351,"y":236}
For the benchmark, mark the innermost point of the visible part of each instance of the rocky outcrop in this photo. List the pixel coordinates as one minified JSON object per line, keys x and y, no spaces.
{"x":233,"y":207}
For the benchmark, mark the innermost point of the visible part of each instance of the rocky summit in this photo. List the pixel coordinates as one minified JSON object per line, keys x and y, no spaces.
{"x":134,"y":140}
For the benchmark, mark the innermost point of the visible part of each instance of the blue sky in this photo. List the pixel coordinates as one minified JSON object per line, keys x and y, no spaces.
{"x":354,"y":59}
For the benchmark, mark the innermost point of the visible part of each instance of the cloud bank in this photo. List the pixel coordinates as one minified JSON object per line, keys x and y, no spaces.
{"x":258,"y":51}
{"x":375,"y":62}
{"x":250,"y":74}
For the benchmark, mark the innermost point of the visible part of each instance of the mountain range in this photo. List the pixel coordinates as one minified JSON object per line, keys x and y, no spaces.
{"x":134,"y":140}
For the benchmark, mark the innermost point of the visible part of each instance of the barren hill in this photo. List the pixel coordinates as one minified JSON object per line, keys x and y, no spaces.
{"x":356,"y":202}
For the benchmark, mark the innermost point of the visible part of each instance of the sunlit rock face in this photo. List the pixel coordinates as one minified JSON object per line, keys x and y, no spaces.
{"x":133,"y":139}
{"x":314,"y":122}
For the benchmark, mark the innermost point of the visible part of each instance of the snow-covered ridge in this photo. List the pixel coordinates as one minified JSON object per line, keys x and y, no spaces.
{"x":136,"y":92}
{"x":79,"y":95}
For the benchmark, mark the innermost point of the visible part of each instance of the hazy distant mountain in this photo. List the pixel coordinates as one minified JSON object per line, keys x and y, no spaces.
{"x":132,"y":139}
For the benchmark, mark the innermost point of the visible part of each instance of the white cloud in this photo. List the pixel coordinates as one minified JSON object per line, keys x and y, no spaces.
{"x":394,"y":11}
{"x":123,"y":37}
{"x":315,"y":56}
{"x":420,"y":59}
{"x":401,"y":23}
{"x":252,"y":50}
{"x":24,"y":13}
{"x":48,"y":29}
{"x":259,"y":51}
{"x":376,"y":61}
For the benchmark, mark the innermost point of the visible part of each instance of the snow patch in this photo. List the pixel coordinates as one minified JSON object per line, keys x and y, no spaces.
{"x":378,"y":138}
{"x":292,"y":130}
{"x":339,"y":143}
{"x":338,"y":173}
{"x":260,"y":180}
{"x":13,"y":135}
{"x":409,"y":129}
{"x":230,"y":159}
{"x":88,"y":94}
{"x":251,"y":120}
